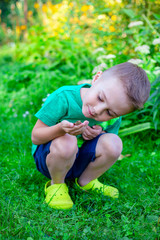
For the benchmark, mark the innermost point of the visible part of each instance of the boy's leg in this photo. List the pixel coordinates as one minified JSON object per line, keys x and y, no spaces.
{"x":62,"y":154}
{"x":108,"y":149}
{"x":60,"y":159}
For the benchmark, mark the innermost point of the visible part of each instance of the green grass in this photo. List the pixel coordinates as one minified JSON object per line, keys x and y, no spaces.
{"x":24,"y":215}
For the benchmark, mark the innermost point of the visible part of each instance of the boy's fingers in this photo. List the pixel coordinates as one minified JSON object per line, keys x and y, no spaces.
{"x":97,"y":127}
{"x":86,"y":137}
{"x":87,"y":132}
{"x":69,"y":124}
{"x":86,"y":123}
{"x":77,"y":123}
{"x":80,"y":126}
{"x":66,"y":124}
{"x":91,"y":130}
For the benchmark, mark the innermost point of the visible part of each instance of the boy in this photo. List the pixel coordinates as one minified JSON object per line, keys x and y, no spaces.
{"x":98,"y":108}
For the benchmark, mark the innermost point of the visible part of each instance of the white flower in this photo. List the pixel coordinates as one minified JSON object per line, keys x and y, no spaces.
{"x":9,"y":31}
{"x":103,"y":65}
{"x":148,"y":72}
{"x":143,"y":49}
{"x":157,"y":70}
{"x":135,"y":23}
{"x":15,"y":115}
{"x":136,"y":61}
{"x":31,"y":103}
{"x":102,"y":16}
{"x":109,"y":56}
{"x":156,"y":41}
{"x":44,"y":99}
{"x":25,"y":114}
{"x":12,"y":44}
{"x":46,"y":54}
{"x":98,"y":50}
{"x":152,"y":60}
{"x":99,"y":68}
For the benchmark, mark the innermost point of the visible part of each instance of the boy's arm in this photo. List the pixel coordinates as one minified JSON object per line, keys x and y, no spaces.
{"x":43,"y":133}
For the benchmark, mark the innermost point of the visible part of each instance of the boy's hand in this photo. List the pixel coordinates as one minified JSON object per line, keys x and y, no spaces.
{"x":73,"y":128}
{"x":90,"y":133}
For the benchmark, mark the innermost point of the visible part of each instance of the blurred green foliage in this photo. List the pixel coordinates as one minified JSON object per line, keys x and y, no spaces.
{"x":85,"y":37}
{"x":5,"y":7}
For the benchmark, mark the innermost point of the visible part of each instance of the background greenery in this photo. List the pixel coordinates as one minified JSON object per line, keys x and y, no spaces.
{"x":47,"y":44}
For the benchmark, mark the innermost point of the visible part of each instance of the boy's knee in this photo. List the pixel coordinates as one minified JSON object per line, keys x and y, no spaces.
{"x":65,"y":146}
{"x":111,"y":145}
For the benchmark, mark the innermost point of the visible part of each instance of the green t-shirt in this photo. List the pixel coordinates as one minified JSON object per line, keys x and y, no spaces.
{"x":66,"y":104}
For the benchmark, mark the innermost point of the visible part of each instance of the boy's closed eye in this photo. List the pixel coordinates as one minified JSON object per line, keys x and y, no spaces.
{"x":108,"y":112}
{"x":101,"y":99}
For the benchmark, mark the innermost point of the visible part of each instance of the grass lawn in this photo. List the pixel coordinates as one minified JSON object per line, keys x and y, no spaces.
{"x":24,"y":215}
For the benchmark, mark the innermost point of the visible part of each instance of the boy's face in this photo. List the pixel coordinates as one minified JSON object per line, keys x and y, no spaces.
{"x":106,"y":99}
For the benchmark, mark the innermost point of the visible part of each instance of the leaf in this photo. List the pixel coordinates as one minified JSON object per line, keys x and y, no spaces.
{"x":152,"y":218}
{"x":157,"y":141}
{"x":135,"y":129}
{"x":125,"y":123}
{"x":128,"y":12}
{"x":157,"y":16}
{"x":153,"y":95}
{"x":123,"y":156}
{"x":52,"y":67}
{"x":106,"y":10}
{"x":156,"y":81}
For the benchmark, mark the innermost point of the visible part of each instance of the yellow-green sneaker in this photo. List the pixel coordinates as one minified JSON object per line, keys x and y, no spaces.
{"x":95,"y":185}
{"x":57,"y":196}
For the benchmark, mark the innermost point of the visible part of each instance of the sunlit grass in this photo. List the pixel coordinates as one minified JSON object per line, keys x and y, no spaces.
{"x":24,"y":214}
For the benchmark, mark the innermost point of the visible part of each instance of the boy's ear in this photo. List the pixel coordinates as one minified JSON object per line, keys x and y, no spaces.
{"x":95,"y":78}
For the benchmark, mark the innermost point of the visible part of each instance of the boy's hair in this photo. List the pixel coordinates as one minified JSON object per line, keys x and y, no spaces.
{"x":135,"y":82}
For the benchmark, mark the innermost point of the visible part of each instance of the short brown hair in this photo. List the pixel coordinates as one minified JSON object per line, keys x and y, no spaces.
{"x":135,"y":82}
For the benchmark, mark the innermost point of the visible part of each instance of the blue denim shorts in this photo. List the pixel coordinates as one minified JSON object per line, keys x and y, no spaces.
{"x":86,"y":154}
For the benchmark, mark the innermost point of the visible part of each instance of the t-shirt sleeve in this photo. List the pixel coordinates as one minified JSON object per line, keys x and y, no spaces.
{"x":115,"y":127}
{"x":112,"y":126}
{"x":54,"y":108}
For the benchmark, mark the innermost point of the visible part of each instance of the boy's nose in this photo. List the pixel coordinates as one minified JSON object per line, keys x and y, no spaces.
{"x":99,"y":109}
